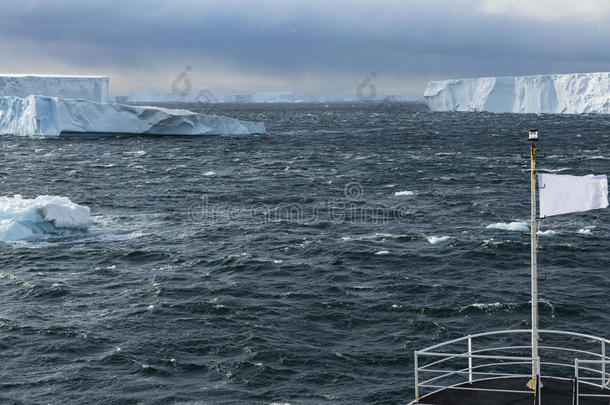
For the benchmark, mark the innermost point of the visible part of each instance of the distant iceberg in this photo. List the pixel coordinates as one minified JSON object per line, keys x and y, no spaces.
{"x":92,"y":88}
{"x":259,"y":97}
{"x":156,"y":97}
{"x":38,"y":116}
{"x":576,"y":93}
{"x":23,"y":219}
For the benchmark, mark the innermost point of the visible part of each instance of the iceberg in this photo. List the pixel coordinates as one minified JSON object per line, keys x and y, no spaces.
{"x":154,"y":97}
{"x":92,"y":88}
{"x":577,"y":93}
{"x":208,"y":97}
{"x":258,"y":97}
{"x":38,"y":116}
{"x":24,"y":219}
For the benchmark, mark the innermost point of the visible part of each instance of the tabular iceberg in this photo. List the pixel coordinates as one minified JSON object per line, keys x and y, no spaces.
{"x":22,"y":218}
{"x":576,"y":93}
{"x":51,"y":117}
{"x":93,"y":88}
{"x":155,"y":97}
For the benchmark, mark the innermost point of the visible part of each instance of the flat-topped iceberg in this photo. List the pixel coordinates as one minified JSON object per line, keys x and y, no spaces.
{"x":39,"y":116}
{"x":576,"y":93}
{"x":92,"y":88}
{"x":22,"y":218}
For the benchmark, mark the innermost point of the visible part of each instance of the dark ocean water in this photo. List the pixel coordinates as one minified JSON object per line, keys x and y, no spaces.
{"x":292,"y":268}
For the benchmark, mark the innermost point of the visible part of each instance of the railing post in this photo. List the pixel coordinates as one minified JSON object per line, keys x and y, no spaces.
{"x":576,"y":384}
{"x":538,"y":383}
{"x":416,"y":377}
{"x":470,"y":359}
{"x":603,"y":364}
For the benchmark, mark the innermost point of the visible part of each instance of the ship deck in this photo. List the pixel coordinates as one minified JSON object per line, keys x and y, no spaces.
{"x":494,"y":368}
{"x":555,"y":391}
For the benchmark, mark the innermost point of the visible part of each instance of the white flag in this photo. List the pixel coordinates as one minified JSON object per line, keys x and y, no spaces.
{"x":562,"y":194}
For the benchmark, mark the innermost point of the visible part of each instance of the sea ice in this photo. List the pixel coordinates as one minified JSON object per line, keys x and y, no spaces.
{"x":510,"y":226}
{"x":435,"y":240}
{"x":404,"y":193}
{"x":22,"y":218}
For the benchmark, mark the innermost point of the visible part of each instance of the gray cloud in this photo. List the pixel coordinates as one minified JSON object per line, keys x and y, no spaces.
{"x":297,"y":44}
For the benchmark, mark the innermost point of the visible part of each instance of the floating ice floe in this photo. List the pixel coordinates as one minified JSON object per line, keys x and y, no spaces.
{"x":586,"y":231}
{"x":39,"y":116}
{"x":519,"y":227}
{"x":404,"y":193}
{"x":23,"y":219}
{"x":437,"y":239}
{"x":510,"y":226}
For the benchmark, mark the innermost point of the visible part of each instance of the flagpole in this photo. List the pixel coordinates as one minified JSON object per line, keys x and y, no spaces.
{"x":533,"y":137}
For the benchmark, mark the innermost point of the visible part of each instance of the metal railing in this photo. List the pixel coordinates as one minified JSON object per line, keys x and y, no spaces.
{"x":458,"y":363}
{"x":599,"y":380}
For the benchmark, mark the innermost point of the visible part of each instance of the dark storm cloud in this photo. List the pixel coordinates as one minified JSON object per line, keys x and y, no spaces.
{"x":430,"y":39}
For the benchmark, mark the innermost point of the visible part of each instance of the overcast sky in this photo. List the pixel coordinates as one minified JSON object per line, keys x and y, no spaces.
{"x":312,"y":46}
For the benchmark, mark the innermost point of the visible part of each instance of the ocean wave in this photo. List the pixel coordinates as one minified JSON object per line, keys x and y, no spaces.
{"x":504,"y":306}
{"x":554,"y":170}
{"x":25,"y":219}
{"x":375,"y":236}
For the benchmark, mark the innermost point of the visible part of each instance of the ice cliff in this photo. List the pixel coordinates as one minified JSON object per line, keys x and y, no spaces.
{"x":50,"y":117}
{"x":92,"y":88}
{"x":575,"y":93}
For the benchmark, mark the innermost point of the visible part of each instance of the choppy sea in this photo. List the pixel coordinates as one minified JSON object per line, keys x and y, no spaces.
{"x":300,"y":267}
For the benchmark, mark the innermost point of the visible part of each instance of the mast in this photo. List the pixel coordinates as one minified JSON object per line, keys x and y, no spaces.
{"x":533,"y":137}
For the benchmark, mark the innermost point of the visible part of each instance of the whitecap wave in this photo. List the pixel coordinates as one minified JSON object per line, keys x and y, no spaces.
{"x":25,"y":219}
{"x":561,"y":169}
{"x":548,"y":232}
{"x":376,"y":235}
{"x":510,"y":226}
{"x":504,"y":306}
{"x":382,"y":252}
{"x":434,"y":240}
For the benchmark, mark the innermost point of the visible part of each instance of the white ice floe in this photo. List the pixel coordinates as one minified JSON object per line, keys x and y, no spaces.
{"x":586,"y":231}
{"x":382,"y":252}
{"x":404,"y":193}
{"x":92,"y":88}
{"x":437,"y":239}
{"x":510,"y":226}
{"x":22,"y":218}
{"x":38,"y":116}
{"x":574,"y":93}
